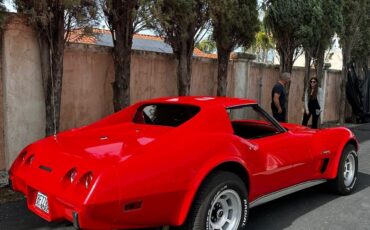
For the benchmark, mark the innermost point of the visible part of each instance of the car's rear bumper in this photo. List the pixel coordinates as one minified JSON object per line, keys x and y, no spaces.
{"x":106,"y":215}
{"x":60,"y":209}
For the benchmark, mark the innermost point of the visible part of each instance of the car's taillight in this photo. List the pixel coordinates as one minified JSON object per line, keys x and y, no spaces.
{"x":84,"y":181}
{"x":23,"y":155}
{"x":71,"y":175}
{"x":87,"y":179}
{"x":30,"y":159}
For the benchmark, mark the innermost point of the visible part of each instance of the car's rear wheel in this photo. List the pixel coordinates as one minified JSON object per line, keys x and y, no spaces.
{"x":220,"y":204}
{"x":346,"y":179}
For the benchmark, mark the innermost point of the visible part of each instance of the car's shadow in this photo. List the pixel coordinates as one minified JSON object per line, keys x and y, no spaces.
{"x":278,"y":214}
{"x":281,"y":213}
{"x":16,"y":216}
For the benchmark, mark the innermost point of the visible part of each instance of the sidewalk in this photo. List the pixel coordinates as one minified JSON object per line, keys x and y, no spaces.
{"x":362,"y":132}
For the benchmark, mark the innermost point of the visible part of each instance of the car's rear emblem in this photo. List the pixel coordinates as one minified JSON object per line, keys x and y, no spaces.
{"x":326,"y":152}
{"x":45,"y":168}
{"x":103,"y":138}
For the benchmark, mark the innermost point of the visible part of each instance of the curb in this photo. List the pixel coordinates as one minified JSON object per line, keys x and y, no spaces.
{"x":4,"y":179}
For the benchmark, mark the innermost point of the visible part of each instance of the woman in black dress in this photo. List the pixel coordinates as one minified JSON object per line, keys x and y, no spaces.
{"x":313,"y":103}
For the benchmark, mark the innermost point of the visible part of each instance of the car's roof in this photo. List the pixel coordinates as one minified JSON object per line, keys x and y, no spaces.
{"x":204,"y":101}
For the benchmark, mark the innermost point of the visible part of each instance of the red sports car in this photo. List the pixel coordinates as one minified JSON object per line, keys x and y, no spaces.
{"x":189,"y":162}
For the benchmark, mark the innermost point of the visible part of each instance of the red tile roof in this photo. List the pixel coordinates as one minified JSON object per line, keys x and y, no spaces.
{"x":148,"y":37}
{"x":77,"y":36}
{"x":199,"y":53}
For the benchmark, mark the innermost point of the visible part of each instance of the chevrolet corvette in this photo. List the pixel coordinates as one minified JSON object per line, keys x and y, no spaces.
{"x":181,"y":162}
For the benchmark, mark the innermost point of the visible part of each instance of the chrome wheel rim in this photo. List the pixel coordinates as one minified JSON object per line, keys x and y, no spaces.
{"x":225,"y":212}
{"x":349,"y":169}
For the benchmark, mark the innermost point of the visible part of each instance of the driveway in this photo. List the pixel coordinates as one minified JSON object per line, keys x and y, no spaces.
{"x":314,"y":208}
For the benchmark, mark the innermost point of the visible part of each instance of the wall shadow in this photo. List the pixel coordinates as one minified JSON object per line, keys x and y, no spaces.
{"x":362,"y":132}
{"x":16,"y":216}
{"x":281,"y":213}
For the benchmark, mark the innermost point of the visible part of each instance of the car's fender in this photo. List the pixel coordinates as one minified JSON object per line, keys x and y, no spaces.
{"x":226,"y":155}
{"x":338,"y":138}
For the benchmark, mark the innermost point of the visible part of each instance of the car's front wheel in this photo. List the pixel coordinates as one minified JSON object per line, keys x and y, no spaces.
{"x":221,"y":203}
{"x":346,"y":179}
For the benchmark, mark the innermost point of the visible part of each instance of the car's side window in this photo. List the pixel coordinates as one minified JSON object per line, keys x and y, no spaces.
{"x":172,"y":115}
{"x":249,"y":122}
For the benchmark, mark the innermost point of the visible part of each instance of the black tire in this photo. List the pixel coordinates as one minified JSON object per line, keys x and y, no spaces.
{"x":341,"y":184}
{"x":207,"y":207}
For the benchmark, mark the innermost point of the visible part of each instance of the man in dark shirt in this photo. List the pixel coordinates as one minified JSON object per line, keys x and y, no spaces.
{"x":278,"y":96}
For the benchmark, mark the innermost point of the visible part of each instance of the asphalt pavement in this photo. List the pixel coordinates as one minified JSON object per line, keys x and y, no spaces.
{"x":311,"y":209}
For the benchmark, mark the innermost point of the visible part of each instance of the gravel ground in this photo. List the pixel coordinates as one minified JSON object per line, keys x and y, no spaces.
{"x":8,"y":195}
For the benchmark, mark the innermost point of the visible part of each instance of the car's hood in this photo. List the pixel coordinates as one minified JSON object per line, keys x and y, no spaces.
{"x":293,"y":126}
{"x":113,"y":143}
{"x":299,"y":128}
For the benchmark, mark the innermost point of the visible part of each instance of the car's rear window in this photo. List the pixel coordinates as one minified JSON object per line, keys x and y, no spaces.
{"x":165,"y":114}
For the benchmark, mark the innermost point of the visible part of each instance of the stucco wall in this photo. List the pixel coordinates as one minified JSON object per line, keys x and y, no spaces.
{"x":296,"y":106}
{"x":89,"y":72}
{"x":152,"y":75}
{"x":204,"y":80}
{"x":87,"y":90}
{"x":332,"y":96}
{"x":24,"y":116}
{"x":2,"y":153}
{"x":262,"y":79}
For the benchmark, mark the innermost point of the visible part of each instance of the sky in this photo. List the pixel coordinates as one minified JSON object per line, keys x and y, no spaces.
{"x":9,"y":5}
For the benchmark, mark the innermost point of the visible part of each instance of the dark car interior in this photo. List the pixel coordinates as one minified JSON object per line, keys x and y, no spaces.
{"x":252,"y":130}
{"x":172,"y":115}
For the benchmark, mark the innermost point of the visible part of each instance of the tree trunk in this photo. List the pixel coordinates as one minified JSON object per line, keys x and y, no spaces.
{"x":122,"y":32}
{"x":121,"y":84}
{"x":52,"y":126}
{"x":52,"y":52}
{"x":346,"y":51}
{"x":44,"y":48}
{"x":223,"y":63}
{"x":184,"y":70}
{"x":307,"y":73}
{"x":286,"y":60}
{"x":320,"y":65}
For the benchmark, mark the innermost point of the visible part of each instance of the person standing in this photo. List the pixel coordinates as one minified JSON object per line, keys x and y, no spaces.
{"x":313,"y":103}
{"x":278,"y":97}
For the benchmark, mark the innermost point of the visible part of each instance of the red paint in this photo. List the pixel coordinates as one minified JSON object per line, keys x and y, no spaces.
{"x":157,"y":170}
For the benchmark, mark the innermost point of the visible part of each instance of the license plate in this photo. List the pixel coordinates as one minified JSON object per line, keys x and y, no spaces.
{"x":42,"y":202}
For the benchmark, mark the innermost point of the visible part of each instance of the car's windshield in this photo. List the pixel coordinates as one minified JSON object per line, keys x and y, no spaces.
{"x":165,"y":114}
{"x":250,"y":122}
